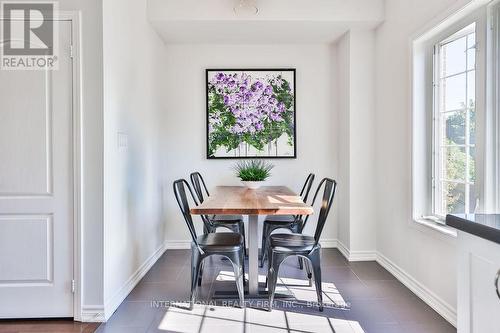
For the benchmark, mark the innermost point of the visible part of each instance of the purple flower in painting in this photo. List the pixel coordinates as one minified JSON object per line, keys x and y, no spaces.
{"x":257,"y":86}
{"x":268,"y":90}
{"x":220,"y":76}
{"x":252,"y":103}
{"x":248,"y":96}
{"x":281,"y":107}
{"x":235,"y":110}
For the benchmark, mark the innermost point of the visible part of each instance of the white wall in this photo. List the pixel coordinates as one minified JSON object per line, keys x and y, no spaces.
{"x":355,"y":102}
{"x":133,"y":93}
{"x":424,"y":254}
{"x":343,"y":91}
{"x":183,"y":126}
{"x":362,"y":143}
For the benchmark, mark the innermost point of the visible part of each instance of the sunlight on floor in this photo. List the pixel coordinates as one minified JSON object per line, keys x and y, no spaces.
{"x":211,"y":317}
{"x":225,"y":276}
{"x":300,"y":289}
{"x":303,"y":292}
{"x":229,"y":276}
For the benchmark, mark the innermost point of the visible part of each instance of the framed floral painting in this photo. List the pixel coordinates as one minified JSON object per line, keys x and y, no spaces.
{"x":251,"y":113}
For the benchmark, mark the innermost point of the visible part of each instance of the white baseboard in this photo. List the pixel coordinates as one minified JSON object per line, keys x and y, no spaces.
{"x":92,"y":314}
{"x":362,"y":256}
{"x":328,"y":243}
{"x":178,"y":245}
{"x":356,"y":255}
{"x":343,"y":249}
{"x":434,"y":301}
{"x":112,"y":304}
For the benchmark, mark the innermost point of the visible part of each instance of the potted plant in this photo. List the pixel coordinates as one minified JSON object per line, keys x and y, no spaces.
{"x":253,"y":173}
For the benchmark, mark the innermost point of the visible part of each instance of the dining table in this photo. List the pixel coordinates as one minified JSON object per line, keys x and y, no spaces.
{"x":266,"y":200}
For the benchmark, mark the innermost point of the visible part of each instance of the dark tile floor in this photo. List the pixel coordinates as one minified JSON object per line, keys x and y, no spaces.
{"x":376,"y":301}
{"x":46,"y":326}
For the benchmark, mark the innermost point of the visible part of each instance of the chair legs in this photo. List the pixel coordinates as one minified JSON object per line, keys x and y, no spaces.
{"x":308,"y":270}
{"x":272,"y":279}
{"x":315,"y":261}
{"x":200,"y":275}
{"x":301,"y":263}
{"x":266,"y":231}
{"x":195,"y":271}
{"x":238,"y":261}
{"x":241,"y":227}
{"x":275,"y":260}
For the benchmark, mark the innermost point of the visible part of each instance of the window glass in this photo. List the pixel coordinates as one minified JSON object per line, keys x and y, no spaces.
{"x":455,"y":121}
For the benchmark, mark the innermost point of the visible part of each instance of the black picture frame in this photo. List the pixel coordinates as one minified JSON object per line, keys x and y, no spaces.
{"x":294,"y":75}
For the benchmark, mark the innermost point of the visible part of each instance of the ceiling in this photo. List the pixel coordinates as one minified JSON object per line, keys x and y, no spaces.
{"x":278,"y":21}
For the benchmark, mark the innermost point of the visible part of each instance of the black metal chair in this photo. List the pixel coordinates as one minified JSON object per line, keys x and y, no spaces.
{"x":282,"y":246}
{"x":227,"y":244}
{"x":231,"y":222}
{"x":291,"y":222}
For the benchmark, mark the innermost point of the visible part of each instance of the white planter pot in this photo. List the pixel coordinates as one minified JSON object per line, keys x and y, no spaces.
{"x":253,"y":185}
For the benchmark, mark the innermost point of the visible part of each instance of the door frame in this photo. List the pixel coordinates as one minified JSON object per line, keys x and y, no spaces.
{"x":74,"y":17}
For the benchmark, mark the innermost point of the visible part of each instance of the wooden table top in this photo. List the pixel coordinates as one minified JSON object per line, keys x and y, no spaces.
{"x":267,"y":200}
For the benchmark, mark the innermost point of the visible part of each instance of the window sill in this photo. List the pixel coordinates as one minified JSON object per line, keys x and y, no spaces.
{"x":441,"y":228}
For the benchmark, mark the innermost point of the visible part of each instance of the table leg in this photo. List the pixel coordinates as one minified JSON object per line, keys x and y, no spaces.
{"x":253,"y":255}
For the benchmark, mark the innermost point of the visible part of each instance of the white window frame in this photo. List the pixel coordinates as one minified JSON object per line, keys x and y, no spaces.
{"x":422,"y":104}
{"x":437,"y":189}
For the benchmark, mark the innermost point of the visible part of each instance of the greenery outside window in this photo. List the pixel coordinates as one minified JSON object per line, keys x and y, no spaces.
{"x":454,"y":124}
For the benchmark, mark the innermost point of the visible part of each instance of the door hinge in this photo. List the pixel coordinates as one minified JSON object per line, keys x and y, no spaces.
{"x":73,"y":286}
{"x":71,"y":51}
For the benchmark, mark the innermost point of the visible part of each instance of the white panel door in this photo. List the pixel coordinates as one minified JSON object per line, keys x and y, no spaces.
{"x":36,"y":189}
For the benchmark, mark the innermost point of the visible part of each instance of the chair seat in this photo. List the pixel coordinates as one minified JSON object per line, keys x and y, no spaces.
{"x":279,"y":219}
{"x":291,"y":242}
{"x":220,"y":241}
{"x":227,"y":218}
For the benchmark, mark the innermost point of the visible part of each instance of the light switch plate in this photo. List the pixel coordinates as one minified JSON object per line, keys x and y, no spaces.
{"x":122,"y":141}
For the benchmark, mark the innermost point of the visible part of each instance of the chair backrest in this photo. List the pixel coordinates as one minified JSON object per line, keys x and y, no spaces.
{"x":304,"y":193}
{"x":180,"y":186}
{"x":330,"y":187}
{"x":199,"y":186}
